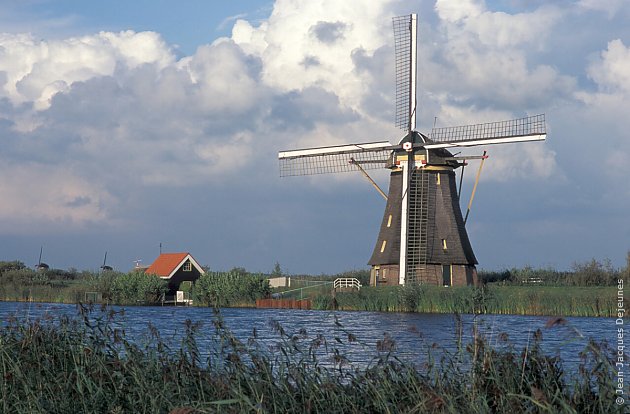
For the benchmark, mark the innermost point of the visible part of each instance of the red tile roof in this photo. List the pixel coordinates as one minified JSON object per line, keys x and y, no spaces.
{"x":166,"y":263}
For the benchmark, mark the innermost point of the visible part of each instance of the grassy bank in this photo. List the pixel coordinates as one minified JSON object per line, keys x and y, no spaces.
{"x":65,"y":366}
{"x":18,"y":283}
{"x":517,"y":300}
{"x":588,"y":290}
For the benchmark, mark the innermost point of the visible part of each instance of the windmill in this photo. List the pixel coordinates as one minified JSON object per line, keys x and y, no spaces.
{"x":41,"y":266}
{"x":105,"y":267}
{"x":423,"y":237}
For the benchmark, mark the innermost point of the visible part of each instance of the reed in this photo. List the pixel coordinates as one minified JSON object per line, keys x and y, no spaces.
{"x":240,"y":288}
{"x":230,"y":289}
{"x":89,"y":365}
{"x":518,"y":300}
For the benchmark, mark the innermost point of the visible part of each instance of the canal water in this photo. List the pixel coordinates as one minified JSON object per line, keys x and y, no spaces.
{"x":413,"y":334}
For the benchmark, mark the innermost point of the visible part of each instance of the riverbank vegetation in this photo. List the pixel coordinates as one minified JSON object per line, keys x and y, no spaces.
{"x":588,"y":289}
{"x":236,"y":287}
{"x":515,"y":300}
{"x":233,"y":288}
{"x":88,"y":364}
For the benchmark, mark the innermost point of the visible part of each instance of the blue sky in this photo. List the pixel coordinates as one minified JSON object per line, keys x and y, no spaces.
{"x":185,"y":25}
{"x":124,"y":125}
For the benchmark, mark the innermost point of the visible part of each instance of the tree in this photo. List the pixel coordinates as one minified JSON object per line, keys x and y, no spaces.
{"x":8,"y":266}
{"x":277,"y":270}
{"x":594,"y":273}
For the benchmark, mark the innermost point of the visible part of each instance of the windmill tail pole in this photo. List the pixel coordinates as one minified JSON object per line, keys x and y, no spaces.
{"x":366,"y":175}
{"x":461,"y":179}
{"x":472,"y":196}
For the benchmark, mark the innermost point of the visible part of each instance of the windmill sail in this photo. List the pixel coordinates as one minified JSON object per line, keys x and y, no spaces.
{"x":531,"y":128}
{"x":341,"y":158}
{"x":405,"y":53}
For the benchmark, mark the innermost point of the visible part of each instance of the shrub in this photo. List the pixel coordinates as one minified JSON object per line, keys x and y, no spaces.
{"x":230,"y":288}
{"x":137,"y":287}
{"x":102,"y":283}
{"x":594,"y":273}
{"x":14,"y":265}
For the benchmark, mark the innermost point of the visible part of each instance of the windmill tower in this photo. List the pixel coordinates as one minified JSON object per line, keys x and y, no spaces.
{"x":423,"y":237}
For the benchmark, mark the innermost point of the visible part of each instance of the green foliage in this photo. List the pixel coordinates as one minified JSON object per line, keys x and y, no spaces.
{"x":25,"y":277}
{"x":277,"y":270}
{"x":594,"y":273}
{"x":137,"y":287}
{"x":230,"y":288}
{"x":507,"y":299}
{"x":63,"y":366}
{"x":528,"y":290}
{"x":362,"y":274}
{"x":14,"y":265}
{"x":591,"y":273}
{"x":102,"y":283}
{"x":410,"y":296}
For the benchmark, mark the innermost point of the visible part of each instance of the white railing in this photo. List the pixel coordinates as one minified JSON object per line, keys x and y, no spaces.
{"x":347,"y":282}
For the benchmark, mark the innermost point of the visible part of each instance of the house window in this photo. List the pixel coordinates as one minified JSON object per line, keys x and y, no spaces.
{"x":187,"y":267}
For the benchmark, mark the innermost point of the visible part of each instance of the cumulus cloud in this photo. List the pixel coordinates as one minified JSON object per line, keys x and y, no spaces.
{"x":35,"y":69}
{"x":122,"y":100}
{"x":120,"y":112}
{"x":32,"y":198}
{"x":329,"y":32}
{"x":92,"y":124}
{"x":612,"y":71}
{"x":305,"y":32}
{"x":610,"y":7}
{"x":487,"y":56}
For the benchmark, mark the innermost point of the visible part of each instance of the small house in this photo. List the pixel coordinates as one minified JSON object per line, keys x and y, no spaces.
{"x":176,"y":268}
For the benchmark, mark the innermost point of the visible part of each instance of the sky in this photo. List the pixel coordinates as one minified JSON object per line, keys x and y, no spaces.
{"x":129,"y":125}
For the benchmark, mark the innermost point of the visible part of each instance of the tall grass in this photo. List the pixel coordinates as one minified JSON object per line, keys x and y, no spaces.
{"x":517,"y":300}
{"x":89,"y":365}
{"x":240,"y":288}
{"x":230,"y":289}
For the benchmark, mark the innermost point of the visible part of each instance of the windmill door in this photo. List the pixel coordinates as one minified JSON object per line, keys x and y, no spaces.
{"x":446,"y":275}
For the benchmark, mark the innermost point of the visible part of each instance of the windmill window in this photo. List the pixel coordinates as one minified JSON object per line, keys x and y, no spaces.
{"x":444,"y":246}
{"x":187,"y":267}
{"x":438,"y":178}
{"x":383,"y":246}
{"x":389,"y":221}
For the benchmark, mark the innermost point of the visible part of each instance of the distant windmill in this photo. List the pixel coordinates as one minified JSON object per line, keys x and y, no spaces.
{"x":41,"y":265}
{"x":423,"y":238}
{"x":106,"y":268}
